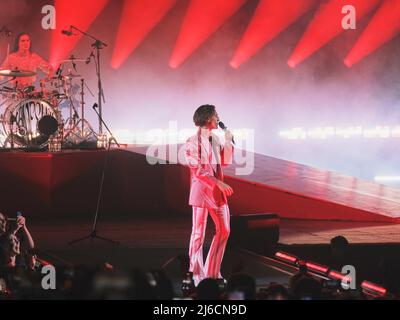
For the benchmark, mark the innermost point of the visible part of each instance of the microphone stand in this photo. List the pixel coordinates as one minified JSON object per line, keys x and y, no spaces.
{"x":93,"y":233}
{"x":97,"y":45}
{"x":112,"y":138}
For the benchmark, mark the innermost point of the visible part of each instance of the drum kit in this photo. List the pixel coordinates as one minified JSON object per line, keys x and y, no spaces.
{"x":32,"y":117}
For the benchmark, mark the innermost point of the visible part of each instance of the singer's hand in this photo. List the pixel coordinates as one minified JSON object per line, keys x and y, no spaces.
{"x":226,"y":189}
{"x":228,"y":135}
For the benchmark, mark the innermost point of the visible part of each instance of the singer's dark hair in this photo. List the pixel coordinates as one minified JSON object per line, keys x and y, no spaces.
{"x":16,"y":44}
{"x":203,"y":114}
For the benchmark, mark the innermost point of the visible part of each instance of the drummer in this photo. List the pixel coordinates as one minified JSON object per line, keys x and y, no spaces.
{"x":24,"y":59}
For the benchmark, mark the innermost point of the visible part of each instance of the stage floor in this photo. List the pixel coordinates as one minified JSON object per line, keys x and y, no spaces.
{"x":320,"y":232}
{"x":147,"y":244}
{"x":174,"y":232}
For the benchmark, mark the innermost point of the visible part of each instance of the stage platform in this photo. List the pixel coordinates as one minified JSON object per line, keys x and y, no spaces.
{"x":67,"y":184}
{"x":296,"y":191}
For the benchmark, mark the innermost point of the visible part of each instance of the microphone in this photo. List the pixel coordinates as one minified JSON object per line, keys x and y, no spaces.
{"x":67,"y":32}
{"x":95,"y":106}
{"x":89,"y":59}
{"x":224,"y":127}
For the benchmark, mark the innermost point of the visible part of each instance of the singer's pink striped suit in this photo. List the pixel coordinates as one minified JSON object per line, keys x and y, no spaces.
{"x":205,"y":197}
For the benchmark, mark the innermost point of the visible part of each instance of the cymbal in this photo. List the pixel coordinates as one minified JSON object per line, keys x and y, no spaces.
{"x":74,"y":60}
{"x":7,"y":89}
{"x":17,"y":73}
{"x":66,"y":76}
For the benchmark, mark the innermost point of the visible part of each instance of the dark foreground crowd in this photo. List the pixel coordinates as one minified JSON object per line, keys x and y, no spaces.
{"x":21,"y":277}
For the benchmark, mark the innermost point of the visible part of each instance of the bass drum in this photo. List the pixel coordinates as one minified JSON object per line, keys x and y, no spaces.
{"x":24,"y":120}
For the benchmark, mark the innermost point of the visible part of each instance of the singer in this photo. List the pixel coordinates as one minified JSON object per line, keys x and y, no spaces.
{"x":206,"y":156}
{"x":24,"y":59}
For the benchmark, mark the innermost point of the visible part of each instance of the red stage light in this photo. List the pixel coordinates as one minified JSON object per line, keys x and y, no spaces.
{"x":374,"y":288}
{"x":344,"y":278}
{"x":138,"y":19}
{"x":286,"y":257}
{"x":326,"y":25}
{"x":269,"y":20}
{"x":317,"y":267}
{"x":203,"y":17}
{"x":383,"y":27}
{"x":80,"y":14}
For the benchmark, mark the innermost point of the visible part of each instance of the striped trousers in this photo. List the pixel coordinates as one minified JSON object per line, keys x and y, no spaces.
{"x":212,"y":267}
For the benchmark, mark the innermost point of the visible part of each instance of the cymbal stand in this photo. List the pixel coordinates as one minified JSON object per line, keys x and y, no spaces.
{"x":97,"y":46}
{"x":73,"y":113}
{"x":82,"y":130}
{"x":3,"y":83}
